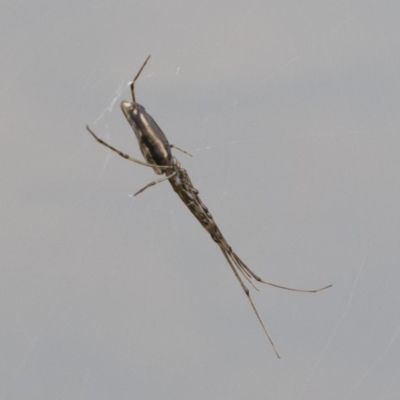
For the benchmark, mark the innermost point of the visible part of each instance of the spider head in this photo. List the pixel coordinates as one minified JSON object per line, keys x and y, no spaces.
{"x":131,"y":111}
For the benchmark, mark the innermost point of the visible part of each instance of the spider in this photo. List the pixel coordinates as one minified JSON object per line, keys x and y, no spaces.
{"x":157,"y":152}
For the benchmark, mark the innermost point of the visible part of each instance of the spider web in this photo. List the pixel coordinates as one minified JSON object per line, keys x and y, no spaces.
{"x":291,"y":112}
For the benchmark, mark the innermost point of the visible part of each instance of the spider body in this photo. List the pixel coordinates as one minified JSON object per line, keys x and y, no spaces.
{"x":153,"y":143}
{"x":156,"y":150}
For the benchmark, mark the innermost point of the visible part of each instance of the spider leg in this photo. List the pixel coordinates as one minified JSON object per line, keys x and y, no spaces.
{"x":135,"y":78}
{"x":227,"y":249}
{"x":155,"y":183}
{"x":178,"y":148}
{"x":246,"y":290}
{"x":123,"y":155}
{"x":258,"y":279}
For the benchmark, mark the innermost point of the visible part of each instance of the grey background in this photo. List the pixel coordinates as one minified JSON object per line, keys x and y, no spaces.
{"x":291,"y":110}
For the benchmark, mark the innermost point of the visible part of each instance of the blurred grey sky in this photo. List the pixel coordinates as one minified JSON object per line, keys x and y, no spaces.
{"x":291,"y":110}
